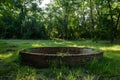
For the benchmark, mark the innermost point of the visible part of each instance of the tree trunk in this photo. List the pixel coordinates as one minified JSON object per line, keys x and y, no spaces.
{"x":66,"y":22}
{"x":117,"y":21}
{"x":91,"y":16}
{"x":117,"y":25}
{"x":112,"y":29}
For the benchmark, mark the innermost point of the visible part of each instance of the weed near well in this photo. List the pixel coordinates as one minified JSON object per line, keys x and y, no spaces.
{"x":107,"y":68}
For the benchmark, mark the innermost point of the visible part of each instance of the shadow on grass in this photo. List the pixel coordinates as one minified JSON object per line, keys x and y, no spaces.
{"x":106,"y":68}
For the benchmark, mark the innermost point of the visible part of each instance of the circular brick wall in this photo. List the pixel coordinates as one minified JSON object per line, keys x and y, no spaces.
{"x":45,"y":56}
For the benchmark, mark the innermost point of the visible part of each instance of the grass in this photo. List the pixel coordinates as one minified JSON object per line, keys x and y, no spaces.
{"x":108,"y":68}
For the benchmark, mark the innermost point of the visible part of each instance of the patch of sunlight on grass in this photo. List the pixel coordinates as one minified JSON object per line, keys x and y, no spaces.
{"x":4,"y":56}
{"x":113,"y":48}
{"x":36,"y":45}
{"x":26,"y":73}
{"x":81,"y":46}
{"x":89,"y":77}
{"x":76,"y":45}
{"x":58,"y":42}
{"x":1,"y":15}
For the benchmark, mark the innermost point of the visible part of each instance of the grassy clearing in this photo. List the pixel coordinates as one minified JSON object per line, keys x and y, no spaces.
{"x":108,"y":68}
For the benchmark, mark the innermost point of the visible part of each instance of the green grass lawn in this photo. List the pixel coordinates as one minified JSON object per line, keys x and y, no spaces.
{"x":108,"y":68}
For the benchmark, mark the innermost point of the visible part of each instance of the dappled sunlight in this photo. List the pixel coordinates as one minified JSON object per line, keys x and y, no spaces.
{"x":36,"y":45}
{"x":26,"y":73}
{"x":74,"y":45}
{"x":113,"y":48}
{"x":59,"y":42}
{"x":62,"y":43}
{"x":4,"y":56}
{"x":109,"y":64}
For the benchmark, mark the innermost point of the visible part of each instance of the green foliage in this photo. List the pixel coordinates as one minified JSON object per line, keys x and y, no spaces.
{"x":65,"y":19}
{"x":106,"y":68}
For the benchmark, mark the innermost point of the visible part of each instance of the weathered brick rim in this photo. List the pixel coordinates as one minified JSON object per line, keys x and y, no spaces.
{"x":43,"y":56}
